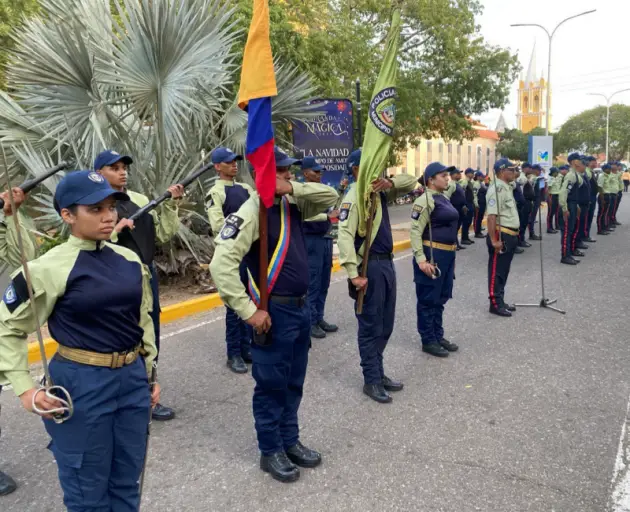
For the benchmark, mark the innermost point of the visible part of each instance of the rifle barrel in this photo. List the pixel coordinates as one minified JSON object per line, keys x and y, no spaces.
{"x":29,"y":185}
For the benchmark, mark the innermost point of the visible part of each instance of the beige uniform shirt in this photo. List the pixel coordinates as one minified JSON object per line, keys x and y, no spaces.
{"x":500,"y":202}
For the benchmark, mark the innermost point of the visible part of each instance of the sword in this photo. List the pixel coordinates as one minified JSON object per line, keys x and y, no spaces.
{"x":58,"y":393}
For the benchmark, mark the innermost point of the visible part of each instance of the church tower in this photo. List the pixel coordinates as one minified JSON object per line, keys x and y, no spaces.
{"x":532,"y":98}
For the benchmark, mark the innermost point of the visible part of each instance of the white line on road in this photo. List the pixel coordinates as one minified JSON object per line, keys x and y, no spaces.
{"x":620,"y":497}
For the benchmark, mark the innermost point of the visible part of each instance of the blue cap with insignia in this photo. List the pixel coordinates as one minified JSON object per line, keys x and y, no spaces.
{"x":86,"y":188}
{"x":284,"y":160}
{"x":354,"y":159}
{"x":310,"y":164}
{"x":436,"y":168}
{"x":454,"y":170}
{"x":526,"y":165}
{"x":574,"y":156}
{"x":224,"y":156}
{"x":109,"y":157}
{"x":470,"y":170}
{"x":606,"y":167}
{"x":479,"y":174}
{"x":537,"y":167}
{"x":503,"y":164}
{"x":553,"y":170}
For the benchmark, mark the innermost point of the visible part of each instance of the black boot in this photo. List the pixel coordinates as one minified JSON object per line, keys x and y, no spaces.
{"x":523,"y":243}
{"x":569,"y":260}
{"x":451,"y":347}
{"x":552,"y":231}
{"x":162,"y":413}
{"x":581,"y":245}
{"x":578,"y":253}
{"x":510,"y":307}
{"x":603,"y":233}
{"x":480,"y":235}
{"x":247,"y":356}
{"x":467,"y":241}
{"x":317,"y":332}
{"x":326,"y":327}
{"x":435,"y":349}
{"x":279,"y":467}
{"x":590,"y":240}
{"x":533,"y":236}
{"x":392,"y":385}
{"x":236,"y":364}
{"x":303,"y":456}
{"x":377,"y":393}
{"x":7,"y":484}
{"x":500,"y":311}
{"x":518,"y":250}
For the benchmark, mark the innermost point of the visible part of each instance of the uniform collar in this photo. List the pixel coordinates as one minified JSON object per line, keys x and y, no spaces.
{"x":85,"y":245}
{"x":226,"y":183}
{"x":432,"y":192}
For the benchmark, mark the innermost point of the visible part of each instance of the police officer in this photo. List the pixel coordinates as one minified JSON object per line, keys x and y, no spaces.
{"x":376,"y":322}
{"x":113,"y":167}
{"x":584,"y":201}
{"x":319,"y":245}
{"x":503,"y":226}
{"x":553,"y":188}
{"x":434,"y":242}
{"x":569,"y":205}
{"x":96,"y":298}
{"x":618,"y":173}
{"x":537,"y":188}
{"x":529,"y":192}
{"x":471,"y":204}
{"x":226,"y":197}
{"x":522,"y":204}
{"x":280,"y":361}
{"x":603,"y":200}
{"x":591,"y":165}
{"x":481,"y":191}
{"x":456,"y":194}
{"x":612,"y":196}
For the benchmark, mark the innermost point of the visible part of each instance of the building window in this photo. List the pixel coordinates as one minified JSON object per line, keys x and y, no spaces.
{"x":469,"y":159}
{"x":417,"y":160}
{"x":479,"y":156}
{"x":487,"y":160}
{"x":450,"y":154}
{"x":459,"y":155}
{"x":536,"y":104}
{"x":429,"y":151}
{"x":525,"y":104}
{"x":441,"y":152}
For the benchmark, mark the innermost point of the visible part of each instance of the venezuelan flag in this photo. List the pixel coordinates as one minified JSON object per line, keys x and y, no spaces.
{"x":258,"y":86}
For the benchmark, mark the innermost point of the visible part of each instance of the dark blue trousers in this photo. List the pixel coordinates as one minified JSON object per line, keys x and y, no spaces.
{"x":320,"y":253}
{"x":591,"y":216}
{"x":568,"y":231}
{"x":467,"y":221}
{"x":100,"y":450}
{"x":618,"y":197}
{"x":582,"y":224}
{"x":376,"y":322}
{"x":279,"y":371}
{"x":523,"y":215}
{"x":238,"y":334}
{"x":432,"y":294}
{"x":533,"y":216}
{"x":481,"y":211}
{"x":155,"y":313}
{"x":602,"y":212}
{"x":499,"y":268}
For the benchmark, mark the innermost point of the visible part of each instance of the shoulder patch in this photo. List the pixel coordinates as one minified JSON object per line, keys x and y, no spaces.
{"x":344,"y":211}
{"x":16,"y":293}
{"x":416,"y":211}
{"x":492,"y":202}
{"x":231,"y":227}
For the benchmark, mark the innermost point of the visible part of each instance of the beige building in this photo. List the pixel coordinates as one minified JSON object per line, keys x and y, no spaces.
{"x":478,"y":153}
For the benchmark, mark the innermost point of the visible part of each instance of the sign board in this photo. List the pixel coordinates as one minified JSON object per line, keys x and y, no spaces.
{"x":329,"y":137}
{"x":541,"y":151}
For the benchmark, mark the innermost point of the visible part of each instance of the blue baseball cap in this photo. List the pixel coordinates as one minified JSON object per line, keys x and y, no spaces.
{"x":504,"y":163}
{"x":606,"y":167}
{"x":284,"y":160}
{"x":84,"y":187}
{"x":526,"y":165}
{"x":309,"y":163}
{"x":564,"y":167}
{"x":537,"y":167}
{"x":552,"y":170}
{"x":436,"y":168}
{"x":469,"y":170}
{"x":479,"y":174}
{"x":354,"y":159}
{"x":454,"y":170}
{"x":109,"y":157}
{"x":574,"y":156}
{"x":224,"y":156}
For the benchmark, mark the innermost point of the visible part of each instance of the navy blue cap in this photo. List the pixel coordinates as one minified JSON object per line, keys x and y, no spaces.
{"x":606,"y":167}
{"x":564,"y":167}
{"x":354,"y":159}
{"x":552,"y":170}
{"x":453,"y":170}
{"x":574,"y":156}
{"x":479,"y":174}
{"x":224,"y":156}
{"x":436,"y":168}
{"x":84,"y":187}
{"x":537,"y":167}
{"x":309,"y":163}
{"x":503,"y":164}
{"x":284,"y":160}
{"x":469,"y":170}
{"x":526,"y":165}
{"x":109,"y":157}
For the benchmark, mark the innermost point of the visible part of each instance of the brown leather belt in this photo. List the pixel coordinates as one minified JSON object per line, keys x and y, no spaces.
{"x":508,"y":231}
{"x":114,"y":360}
{"x":438,"y":245}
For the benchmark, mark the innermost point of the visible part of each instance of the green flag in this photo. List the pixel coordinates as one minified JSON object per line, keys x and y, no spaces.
{"x":380,"y":125}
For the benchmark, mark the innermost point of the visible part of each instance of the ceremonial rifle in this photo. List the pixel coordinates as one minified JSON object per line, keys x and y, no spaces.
{"x":29,"y":185}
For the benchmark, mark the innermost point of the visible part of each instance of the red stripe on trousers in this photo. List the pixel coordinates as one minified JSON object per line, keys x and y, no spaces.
{"x":492,"y":280}
{"x":565,"y":236}
{"x":575,"y":233}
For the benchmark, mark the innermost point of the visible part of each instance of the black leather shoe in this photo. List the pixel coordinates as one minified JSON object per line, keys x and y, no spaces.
{"x":162,"y":413}
{"x":509,"y":307}
{"x":326,"y":327}
{"x":578,"y":253}
{"x":236,"y":364}
{"x":581,"y":245}
{"x":435,"y":349}
{"x":590,"y":240}
{"x":377,"y":393}
{"x":466,"y":241}
{"x":392,"y":385}
{"x":500,"y":311}
{"x":303,"y":456}
{"x":518,"y":250}
{"x":317,"y":332}
{"x":552,"y":231}
{"x":603,"y":233}
{"x":568,"y":260}
{"x":617,"y":223}
{"x":451,"y":347}
{"x":460,"y":247}
{"x":279,"y":467}
{"x":247,"y":356}
{"x":479,"y":235}
{"x":523,"y":243}
{"x":7,"y":484}
{"x":535,"y":237}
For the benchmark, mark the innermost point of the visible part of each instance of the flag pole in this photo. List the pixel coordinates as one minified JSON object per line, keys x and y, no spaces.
{"x":366,"y":252}
{"x":263,"y":257}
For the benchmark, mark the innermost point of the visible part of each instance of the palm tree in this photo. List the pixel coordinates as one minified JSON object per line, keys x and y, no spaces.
{"x":151,"y":78}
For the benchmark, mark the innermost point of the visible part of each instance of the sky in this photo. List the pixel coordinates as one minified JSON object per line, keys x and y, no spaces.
{"x":590,"y":54}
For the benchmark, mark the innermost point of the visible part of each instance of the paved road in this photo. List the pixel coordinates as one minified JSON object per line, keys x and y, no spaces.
{"x":526,"y":417}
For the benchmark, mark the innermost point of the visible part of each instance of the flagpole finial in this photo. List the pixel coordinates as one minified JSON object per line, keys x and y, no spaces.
{"x":358,"y":80}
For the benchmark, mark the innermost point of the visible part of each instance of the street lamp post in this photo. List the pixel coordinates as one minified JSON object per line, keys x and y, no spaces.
{"x":550,"y":37}
{"x":608,"y":99}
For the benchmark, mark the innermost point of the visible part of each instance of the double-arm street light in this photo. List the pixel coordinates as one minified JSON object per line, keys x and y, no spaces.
{"x":608,"y":99}
{"x":550,"y":36}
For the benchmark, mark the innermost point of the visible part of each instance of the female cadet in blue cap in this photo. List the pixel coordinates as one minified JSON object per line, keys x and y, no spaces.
{"x":434,"y":242}
{"x":96,"y":298}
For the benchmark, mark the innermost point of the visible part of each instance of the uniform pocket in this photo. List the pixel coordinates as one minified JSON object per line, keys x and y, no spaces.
{"x":270,"y":371}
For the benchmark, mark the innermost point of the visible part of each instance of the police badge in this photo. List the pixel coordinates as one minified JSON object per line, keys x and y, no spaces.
{"x":416,"y":211}
{"x":231,"y":227}
{"x":344,"y":211}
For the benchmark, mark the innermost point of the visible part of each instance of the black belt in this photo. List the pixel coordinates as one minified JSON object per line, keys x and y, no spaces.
{"x":287,"y":300}
{"x":381,"y":257}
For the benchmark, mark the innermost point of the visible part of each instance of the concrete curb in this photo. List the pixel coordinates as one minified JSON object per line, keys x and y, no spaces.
{"x":178,"y":311}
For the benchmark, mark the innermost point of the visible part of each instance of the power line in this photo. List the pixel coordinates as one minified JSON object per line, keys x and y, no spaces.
{"x":593,"y":80}
{"x":601,"y":72}
{"x":593,"y":86}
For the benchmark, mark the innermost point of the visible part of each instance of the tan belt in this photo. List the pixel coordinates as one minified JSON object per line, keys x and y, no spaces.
{"x":438,"y":245}
{"x":508,"y":231}
{"x":115,"y":360}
